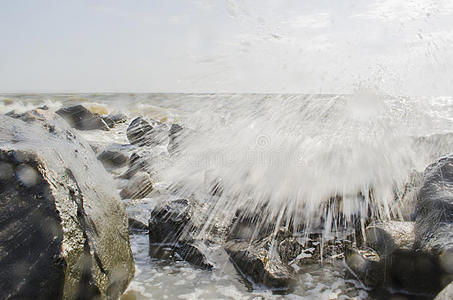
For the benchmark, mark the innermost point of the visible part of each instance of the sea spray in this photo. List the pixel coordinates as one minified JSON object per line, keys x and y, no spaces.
{"x":311,"y":162}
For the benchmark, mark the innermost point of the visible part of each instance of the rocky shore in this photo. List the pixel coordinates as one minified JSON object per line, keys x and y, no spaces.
{"x":65,"y":231}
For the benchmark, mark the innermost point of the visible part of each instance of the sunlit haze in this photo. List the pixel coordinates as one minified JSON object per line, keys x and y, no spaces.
{"x":286,"y":46}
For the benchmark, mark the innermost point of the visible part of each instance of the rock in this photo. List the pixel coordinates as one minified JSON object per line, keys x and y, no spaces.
{"x":142,"y":133}
{"x":81,"y":118}
{"x":115,"y":156}
{"x":170,"y":222}
{"x":174,"y":135}
{"x":403,"y":270}
{"x":434,"y":211}
{"x":446,"y":293}
{"x":63,"y":230}
{"x":137,"y":130}
{"x":135,"y":226}
{"x":138,"y":187}
{"x":289,"y":249}
{"x":109,"y":121}
{"x":112,"y":120}
{"x":386,"y":237}
{"x":170,"y":225}
{"x":369,"y":271}
{"x":259,"y":263}
{"x":424,"y":265}
{"x":194,"y":256}
{"x":313,"y":248}
{"x":146,"y":160}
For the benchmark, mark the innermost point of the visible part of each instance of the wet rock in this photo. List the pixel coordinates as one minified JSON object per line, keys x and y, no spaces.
{"x":170,"y":222}
{"x":370,"y":271}
{"x":142,"y":133}
{"x":261,"y":264}
{"x":386,"y":237}
{"x":81,"y":118}
{"x":137,"y":130}
{"x":135,"y":226}
{"x":289,"y":249}
{"x":194,"y":256}
{"x":434,"y":220}
{"x":427,"y":266}
{"x":170,"y":226}
{"x":56,"y":239}
{"x":112,"y":120}
{"x":446,"y":293}
{"x":403,"y":270}
{"x":138,"y":187}
{"x":174,"y":135}
{"x":115,"y":156}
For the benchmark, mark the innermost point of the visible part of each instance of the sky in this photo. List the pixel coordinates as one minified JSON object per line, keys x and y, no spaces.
{"x":399,"y":47}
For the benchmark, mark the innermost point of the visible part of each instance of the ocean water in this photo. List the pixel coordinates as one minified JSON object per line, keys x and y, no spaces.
{"x":284,"y":156}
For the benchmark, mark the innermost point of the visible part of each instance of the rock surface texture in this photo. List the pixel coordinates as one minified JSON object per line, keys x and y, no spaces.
{"x":81,"y":118}
{"x":63,"y":228}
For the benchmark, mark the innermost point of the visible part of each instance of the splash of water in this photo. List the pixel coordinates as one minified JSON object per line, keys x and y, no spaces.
{"x":313,"y":162}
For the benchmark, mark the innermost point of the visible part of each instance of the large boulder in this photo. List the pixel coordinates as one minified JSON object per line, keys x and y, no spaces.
{"x":63,"y":229}
{"x":415,"y":258}
{"x":81,"y":118}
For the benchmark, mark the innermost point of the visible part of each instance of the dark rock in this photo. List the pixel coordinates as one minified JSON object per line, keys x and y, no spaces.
{"x":174,"y":135}
{"x":137,"y":130}
{"x":56,"y":241}
{"x":427,"y":266}
{"x":143,"y":133}
{"x":135,"y":226}
{"x":112,"y":120}
{"x":260,"y":263}
{"x":169,"y":234}
{"x":170,"y":222}
{"x":109,"y":121}
{"x":434,"y":219}
{"x":138,"y":187}
{"x":386,"y":237}
{"x":289,"y":249}
{"x":118,"y":118}
{"x":115,"y":156}
{"x":369,"y":271}
{"x":404,"y":270}
{"x":194,"y":256}
{"x":81,"y":118}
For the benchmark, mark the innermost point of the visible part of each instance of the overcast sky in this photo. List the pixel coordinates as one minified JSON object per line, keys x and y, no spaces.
{"x":309,"y":46}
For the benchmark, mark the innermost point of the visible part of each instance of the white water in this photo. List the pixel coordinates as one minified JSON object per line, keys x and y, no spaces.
{"x":285,"y":157}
